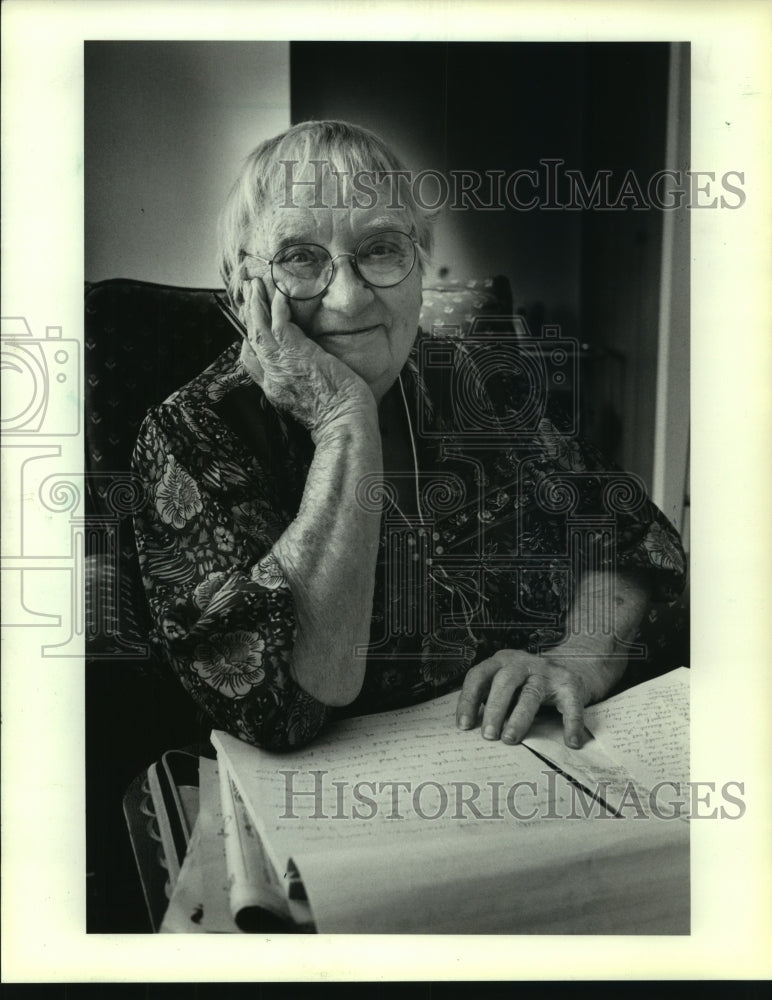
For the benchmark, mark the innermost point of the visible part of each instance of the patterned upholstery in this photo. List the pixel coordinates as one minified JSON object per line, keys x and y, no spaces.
{"x":455,"y":304}
{"x":142,"y":341}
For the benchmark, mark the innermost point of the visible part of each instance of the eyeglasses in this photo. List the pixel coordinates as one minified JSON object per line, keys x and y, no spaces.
{"x":305,"y":270}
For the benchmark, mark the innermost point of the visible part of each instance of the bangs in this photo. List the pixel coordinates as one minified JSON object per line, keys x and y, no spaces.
{"x":335,"y":153}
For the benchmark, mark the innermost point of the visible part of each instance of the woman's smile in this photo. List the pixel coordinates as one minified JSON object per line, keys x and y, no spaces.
{"x":357,"y":332}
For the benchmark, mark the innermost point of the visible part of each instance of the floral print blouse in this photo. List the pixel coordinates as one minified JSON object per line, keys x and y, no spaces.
{"x":481,"y":543}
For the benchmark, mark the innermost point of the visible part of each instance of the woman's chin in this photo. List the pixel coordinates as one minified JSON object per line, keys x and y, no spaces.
{"x":366,"y":354}
{"x":375,"y":355}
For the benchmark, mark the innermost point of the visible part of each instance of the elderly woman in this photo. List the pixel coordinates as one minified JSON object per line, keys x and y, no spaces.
{"x":284,"y":593}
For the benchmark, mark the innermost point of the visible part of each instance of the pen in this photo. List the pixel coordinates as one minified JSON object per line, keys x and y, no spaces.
{"x":230,"y":315}
{"x":576,"y":783}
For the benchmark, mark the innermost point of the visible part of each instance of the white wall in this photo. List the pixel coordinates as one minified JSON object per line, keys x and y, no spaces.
{"x":670,"y":487}
{"x":167,"y":126}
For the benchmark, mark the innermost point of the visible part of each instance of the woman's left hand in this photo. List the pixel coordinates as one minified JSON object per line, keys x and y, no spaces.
{"x":567,"y":682}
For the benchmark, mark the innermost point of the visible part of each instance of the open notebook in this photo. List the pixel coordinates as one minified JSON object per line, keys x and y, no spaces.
{"x":399,"y":823}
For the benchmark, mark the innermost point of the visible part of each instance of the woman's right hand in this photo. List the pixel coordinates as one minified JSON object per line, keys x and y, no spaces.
{"x":295,"y":373}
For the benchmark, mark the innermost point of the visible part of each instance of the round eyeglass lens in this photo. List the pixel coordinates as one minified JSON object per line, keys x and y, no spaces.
{"x":302,"y":271}
{"x":385,"y":259}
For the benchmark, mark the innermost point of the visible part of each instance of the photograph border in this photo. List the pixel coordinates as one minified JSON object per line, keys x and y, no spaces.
{"x":43,"y":891}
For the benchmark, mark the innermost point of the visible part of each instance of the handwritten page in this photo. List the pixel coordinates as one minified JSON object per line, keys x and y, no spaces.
{"x":257,"y":901}
{"x":387,"y":774}
{"x":200,"y":901}
{"x":400,"y":822}
{"x":586,"y":876}
{"x":186,"y":906}
{"x":646,"y":728}
{"x":217,"y":916}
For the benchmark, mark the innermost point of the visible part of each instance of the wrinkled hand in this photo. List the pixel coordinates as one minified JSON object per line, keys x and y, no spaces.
{"x":294,"y":372}
{"x":567,"y":682}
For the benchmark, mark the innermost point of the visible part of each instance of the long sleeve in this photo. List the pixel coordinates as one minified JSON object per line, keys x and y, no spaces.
{"x":224,"y":620}
{"x":571,"y":477}
{"x":573,"y":500}
{"x":543,"y":506}
{"x":562,"y":478}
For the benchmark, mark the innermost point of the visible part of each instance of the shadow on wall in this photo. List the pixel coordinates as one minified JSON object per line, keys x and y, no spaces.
{"x":167,"y":125}
{"x":462,"y":107}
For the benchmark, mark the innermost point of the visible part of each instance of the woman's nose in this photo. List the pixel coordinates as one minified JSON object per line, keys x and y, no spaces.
{"x":347,"y":291}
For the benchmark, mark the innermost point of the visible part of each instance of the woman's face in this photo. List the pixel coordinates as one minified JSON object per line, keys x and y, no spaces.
{"x":372,"y":330}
